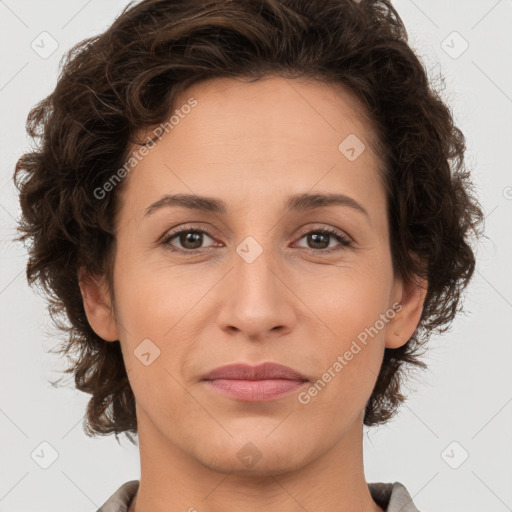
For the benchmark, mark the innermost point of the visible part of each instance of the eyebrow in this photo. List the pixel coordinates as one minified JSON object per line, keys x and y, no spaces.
{"x":298,"y":202}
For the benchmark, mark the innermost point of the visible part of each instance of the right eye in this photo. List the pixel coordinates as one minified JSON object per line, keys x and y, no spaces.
{"x":190,"y":239}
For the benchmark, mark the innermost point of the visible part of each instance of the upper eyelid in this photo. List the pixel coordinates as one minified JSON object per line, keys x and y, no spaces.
{"x":207,"y":230}
{"x":303,"y":231}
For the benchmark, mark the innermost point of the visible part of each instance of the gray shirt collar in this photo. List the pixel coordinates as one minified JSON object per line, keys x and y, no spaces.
{"x":391,"y":497}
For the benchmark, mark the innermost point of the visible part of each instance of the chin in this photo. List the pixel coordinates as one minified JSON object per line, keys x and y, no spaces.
{"x":256,"y":454}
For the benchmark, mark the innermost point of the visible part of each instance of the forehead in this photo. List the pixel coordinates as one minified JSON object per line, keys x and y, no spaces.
{"x":242,"y":136}
{"x":274,"y":109}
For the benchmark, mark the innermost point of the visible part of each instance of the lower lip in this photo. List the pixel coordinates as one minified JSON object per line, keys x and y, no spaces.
{"x":255,"y":390}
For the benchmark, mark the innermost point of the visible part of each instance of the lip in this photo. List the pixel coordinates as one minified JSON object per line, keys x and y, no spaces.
{"x":261,"y":383}
{"x":263,"y":371}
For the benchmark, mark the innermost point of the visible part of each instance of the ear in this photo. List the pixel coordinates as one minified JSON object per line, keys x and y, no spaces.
{"x":411,"y":296}
{"x":97,"y":305}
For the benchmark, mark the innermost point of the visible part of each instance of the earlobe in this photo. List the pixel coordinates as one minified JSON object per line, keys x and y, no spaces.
{"x":407,"y":319}
{"x":97,"y":305}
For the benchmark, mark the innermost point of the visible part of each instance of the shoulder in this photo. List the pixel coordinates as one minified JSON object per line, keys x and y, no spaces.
{"x":392,"y":497}
{"x":121,"y":499}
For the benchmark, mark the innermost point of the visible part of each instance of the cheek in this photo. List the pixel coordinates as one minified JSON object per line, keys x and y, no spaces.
{"x":348,"y":301}
{"x":152,"y":297}
{"x":353,"y":309}
{"x":350,"y":365}
{"x":161,"y":312}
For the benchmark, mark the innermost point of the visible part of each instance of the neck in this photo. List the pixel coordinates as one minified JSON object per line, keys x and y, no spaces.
{"x":172,"y":480}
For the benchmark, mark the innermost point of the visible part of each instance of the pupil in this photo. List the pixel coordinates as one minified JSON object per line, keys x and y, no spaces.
{"x":317,"y":239}
{"x":185,"y":238}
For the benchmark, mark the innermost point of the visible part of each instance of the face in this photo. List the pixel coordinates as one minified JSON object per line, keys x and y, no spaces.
{"x":258,"y":276}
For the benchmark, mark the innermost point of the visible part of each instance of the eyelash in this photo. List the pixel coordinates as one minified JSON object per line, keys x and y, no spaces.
{"x":344,"y":241}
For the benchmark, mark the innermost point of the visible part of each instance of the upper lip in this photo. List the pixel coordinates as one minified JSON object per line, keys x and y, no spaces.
{"x":243,"y":371}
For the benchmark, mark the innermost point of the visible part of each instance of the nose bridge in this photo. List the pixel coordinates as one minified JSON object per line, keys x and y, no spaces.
{"x":255,"y":279}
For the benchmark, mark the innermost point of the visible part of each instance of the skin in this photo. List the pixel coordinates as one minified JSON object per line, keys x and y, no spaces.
{"x":252,"y":145}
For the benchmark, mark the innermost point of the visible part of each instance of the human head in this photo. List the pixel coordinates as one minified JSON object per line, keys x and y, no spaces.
{"x":118,"y":84}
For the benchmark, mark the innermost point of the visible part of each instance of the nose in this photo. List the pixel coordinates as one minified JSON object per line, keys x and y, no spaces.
{"x":258,"y":302}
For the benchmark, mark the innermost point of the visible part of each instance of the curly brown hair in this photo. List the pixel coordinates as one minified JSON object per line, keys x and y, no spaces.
{"x":126,"y":79}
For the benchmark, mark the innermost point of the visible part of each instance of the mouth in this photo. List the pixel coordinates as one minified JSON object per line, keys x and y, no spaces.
{"x":267,"y":381}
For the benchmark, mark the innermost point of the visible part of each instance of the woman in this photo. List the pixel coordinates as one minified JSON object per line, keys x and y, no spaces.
{"x":254,"y":215}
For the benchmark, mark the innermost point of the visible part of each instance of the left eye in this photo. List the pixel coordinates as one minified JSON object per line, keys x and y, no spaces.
{"x":192,"y":239}
{"x":319,"y":236}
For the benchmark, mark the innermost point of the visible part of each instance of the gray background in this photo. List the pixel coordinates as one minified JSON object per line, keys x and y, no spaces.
{"x":465,"y":397}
